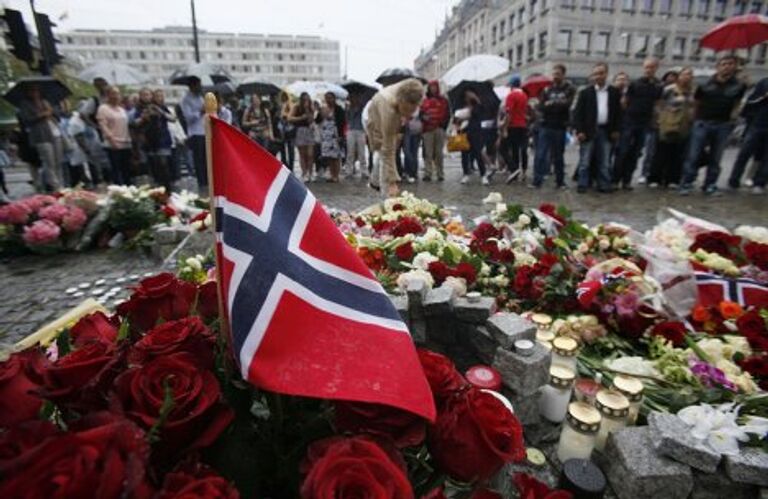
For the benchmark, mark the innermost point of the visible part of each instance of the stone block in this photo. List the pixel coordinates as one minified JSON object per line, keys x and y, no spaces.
{"x":717,"y":485}
{"x":474,"y":312}
{"x":480,"y":341}
{"x":671,"y":437}
{"x":439,"y":301}
{"x":165,"y":235}
{"x":523,"y":374}
{"x":441,"y":329}
{"x":635,"y":470}
{"x":418,"y":328}
{"x":401,"y":305}
{"x":750,"y":466}
{"x":507,"y":328}
{"x":417,"y":292}
{"x":526,"y":407}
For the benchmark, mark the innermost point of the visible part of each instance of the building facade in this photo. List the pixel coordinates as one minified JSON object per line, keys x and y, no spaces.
{"x":536,"y":34}
{"x":279,"y":59}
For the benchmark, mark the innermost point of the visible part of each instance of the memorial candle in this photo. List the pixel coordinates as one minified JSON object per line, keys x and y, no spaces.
{"x":564,"y":352}
{"x":632,"y":388}
{"x":578,"y":435}
{"x":556,"y":396}
{"x":613,"y":407}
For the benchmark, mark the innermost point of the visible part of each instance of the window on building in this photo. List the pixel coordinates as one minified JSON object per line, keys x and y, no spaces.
{"x":511,"y":23}
{"x":685,"y":7}
{"x":588,"y":4}
{"x":582,"y":41}
{"x":543,"y":7}
{"x":502,"y":29}
{"x":493,"y":36}
{"x":665,"y":6}
{"x":678,"y":49}
{"x":606,"y":5}
{"x":520,"y":17}
{"x":739,"y":7}
{"x":564,"y":40}
{"x":623,"y":43}
{"x":511,"y":56}
{"x":720,"y":7}
{"x":531,"y":49}
{"x":659,"y":46}
{"x":703,"y":9}
{"x":628,"y":5}
{"x":648,"y":6}
{"x":695,"y":50}
{"x":602,"y":42}
{"x":533,"y":8}
{"x":543,"y":39}
{"x":641,"y":46}
{"x":757,"y":6}
{"x":568,"y":4}
{"x":519,"y":55}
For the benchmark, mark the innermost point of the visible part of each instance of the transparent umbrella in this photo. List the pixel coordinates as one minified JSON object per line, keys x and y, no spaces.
{"x":476,"y":68}
{"x":316,"y":89}
{"x":114,"y":72}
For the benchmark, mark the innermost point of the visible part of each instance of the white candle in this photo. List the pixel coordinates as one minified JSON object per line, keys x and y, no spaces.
{"x":564,"y":352}
{"x":577,"y":438}
{"x":613,"y":407}
{"x":632,"y":388}
{"x":555,"y":397}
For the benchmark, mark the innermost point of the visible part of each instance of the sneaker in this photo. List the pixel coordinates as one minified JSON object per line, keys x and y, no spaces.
{"x":672,"y":185}
{"x":642,"y":180}
{"x":410,"y":180}
{"x":562,"y":187}
{"x":512,"y":176}
{"x":748,"y":182}
{"x":426,"y":178}
{"x":685,"y":190}
{"x":711,"y":190}
{"x":464,"y":179}
{"x":653,"y":185}
{"x":758,"y":191}
{"x":486,"y":180}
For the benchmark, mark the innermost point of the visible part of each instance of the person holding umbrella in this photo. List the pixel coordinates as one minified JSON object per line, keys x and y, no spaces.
{"x":756,"y":107}
{"x":37,"y":116}
{"x":193,"y":111}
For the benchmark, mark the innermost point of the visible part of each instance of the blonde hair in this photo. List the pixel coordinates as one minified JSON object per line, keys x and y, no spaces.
{"x":410,"y":91}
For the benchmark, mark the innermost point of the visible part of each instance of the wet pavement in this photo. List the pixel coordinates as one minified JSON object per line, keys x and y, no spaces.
{"x":33,"y":289}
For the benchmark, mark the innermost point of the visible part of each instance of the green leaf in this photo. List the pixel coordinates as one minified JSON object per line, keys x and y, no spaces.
{"x":124,"y":331}
{"x":165,"y":410}
{"x":63,"y":344}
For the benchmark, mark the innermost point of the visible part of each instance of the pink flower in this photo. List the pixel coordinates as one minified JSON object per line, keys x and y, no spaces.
{"x":53,"y":212}
{"x":74,"y":220}
{"x":37,"y":201}
{"x":14,"y":213}
{"x":626,"y":304}
{"x":41,"y":232}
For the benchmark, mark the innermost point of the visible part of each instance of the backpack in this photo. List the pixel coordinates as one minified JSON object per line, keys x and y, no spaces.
{"x":674,"y":122}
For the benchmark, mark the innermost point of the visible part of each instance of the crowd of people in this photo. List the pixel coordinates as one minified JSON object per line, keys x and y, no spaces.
{"x":675,"y":126}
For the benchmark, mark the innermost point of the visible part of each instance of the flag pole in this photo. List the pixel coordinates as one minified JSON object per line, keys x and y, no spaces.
{"x":211,"y":107}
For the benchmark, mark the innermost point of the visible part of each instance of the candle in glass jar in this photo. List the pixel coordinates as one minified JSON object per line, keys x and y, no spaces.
{"x":583,"y":479}
{"x":585,"y":390}
{"x":564,"y":352}
{"x":484,"y":377}
{"x":544,"y":336}
{"x":632,"y":388}
{"x":613,"y":407}
{"x":555,"y":396}
{"x":578,"y":435}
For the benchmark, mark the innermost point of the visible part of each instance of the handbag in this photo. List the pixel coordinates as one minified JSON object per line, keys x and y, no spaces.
{"x":458,"y":142}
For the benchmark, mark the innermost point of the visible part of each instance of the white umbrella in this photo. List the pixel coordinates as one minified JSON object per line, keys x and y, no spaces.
{"x":476,"y":68}
{"x":501,"y":91}
{"x":114,"y":72}
{"x":316,"y":89}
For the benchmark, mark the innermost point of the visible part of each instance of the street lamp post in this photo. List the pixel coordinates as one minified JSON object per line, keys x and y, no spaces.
{"x":194,"y":32}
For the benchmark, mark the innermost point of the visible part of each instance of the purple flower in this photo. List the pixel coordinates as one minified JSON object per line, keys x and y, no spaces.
{"x":710,"y":376}
{"x":626,"y":303}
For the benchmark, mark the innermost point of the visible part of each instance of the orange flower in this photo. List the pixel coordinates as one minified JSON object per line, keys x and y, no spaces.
{"x":455,"y":227}
{"x":730,"y":310}
{"x":374,"y":259}
{"x":701,"y":314}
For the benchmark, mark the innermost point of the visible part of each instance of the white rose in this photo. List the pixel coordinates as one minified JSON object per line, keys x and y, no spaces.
{"x":604,"y":243}
{"x":458,"y":284}
{"x":493,"y":198}
{"x":404,"y":279}
{"x":423,"y":259}
{"x":432,"y":234}
{"x":485,"y":270}
{"x":501,"y":208}
{"x":582,"y":248}
{"x":194,"y":263}
{"x":639,"y":366}
{"x":523,"y":219}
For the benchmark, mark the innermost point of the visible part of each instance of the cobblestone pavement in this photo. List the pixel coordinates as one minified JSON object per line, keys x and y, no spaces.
{"x":34,"y":288}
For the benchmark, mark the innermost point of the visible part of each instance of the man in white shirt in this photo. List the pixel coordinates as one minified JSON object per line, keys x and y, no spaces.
{"x":596,"y":119}
{"x":194,"y":110}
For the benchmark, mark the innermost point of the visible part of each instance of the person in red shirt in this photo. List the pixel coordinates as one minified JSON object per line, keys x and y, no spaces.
{"x":435,"y":116}
{"x":514,"y":144}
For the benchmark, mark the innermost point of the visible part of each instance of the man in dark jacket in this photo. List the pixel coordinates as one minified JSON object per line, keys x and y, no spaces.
{"x":756,"y":108}
{"x":554,"y":105}
{"x":596,"y":119}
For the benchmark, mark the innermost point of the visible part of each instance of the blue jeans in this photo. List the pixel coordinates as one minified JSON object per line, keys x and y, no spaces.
{"x":601,"y":145}
{"x":411,"y":152}
{"x":550,"y":144}
{"x":651,"y":141}
{"x":754,"y":145}
{"x":706,"y":133}
{"x":632,"y":140}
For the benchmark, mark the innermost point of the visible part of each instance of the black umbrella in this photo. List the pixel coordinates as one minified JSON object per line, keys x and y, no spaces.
{"x":365,"y":92}
{"x":224,"y":89}
{"x":51,"y":90}
{"x":484,"y":91}
{"x":394,"y":75}
{"x":251,"y":86}
{"x":206,"y":73}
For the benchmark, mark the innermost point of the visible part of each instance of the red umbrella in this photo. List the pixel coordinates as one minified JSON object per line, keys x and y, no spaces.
{"x":739,"y":32}
{"x":535,"y":84}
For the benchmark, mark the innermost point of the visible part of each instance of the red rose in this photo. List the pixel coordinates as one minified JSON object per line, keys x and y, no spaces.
{"x":441,"y":374}
{"x":359,"y":222}
{"x":18,"y":402}
{"x":633,"y":326}
{"x":94,"y":327}
{"x":159,"y":297}
{"x":208,"y":300}
{"x":196,"y":480}
{"x":407,"y":225}
{"x":404,"y":252}
{"x":550,"y":210}
{"x":485,"y":231}
{"x":22,"y":437}
{"x":548,"y":260}
{"x":673,"y":331}
{"x":757,"y":253}
{"x":474,"y":436}
{"x":106,"y":458}
{"x":81,"y":379}
{"x":168,"y":210}
{"x":440,"y":271}
{"x":188,"y":335}
{"x":751,"y":324}
{"x":467,"y":271}
{"x":197,"y":415}
{"x":530,"y":488}
{"x":403,"y":428}
{"x":523,"y":281}
{"x":383,"y":225}
{"x":716,"y":242}
{"x":340,"y":468}
{"x":398,"y":207}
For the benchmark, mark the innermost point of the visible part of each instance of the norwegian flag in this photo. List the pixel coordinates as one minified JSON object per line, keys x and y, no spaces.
{"x":305,"y":315}
{"x":714,"y":289}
